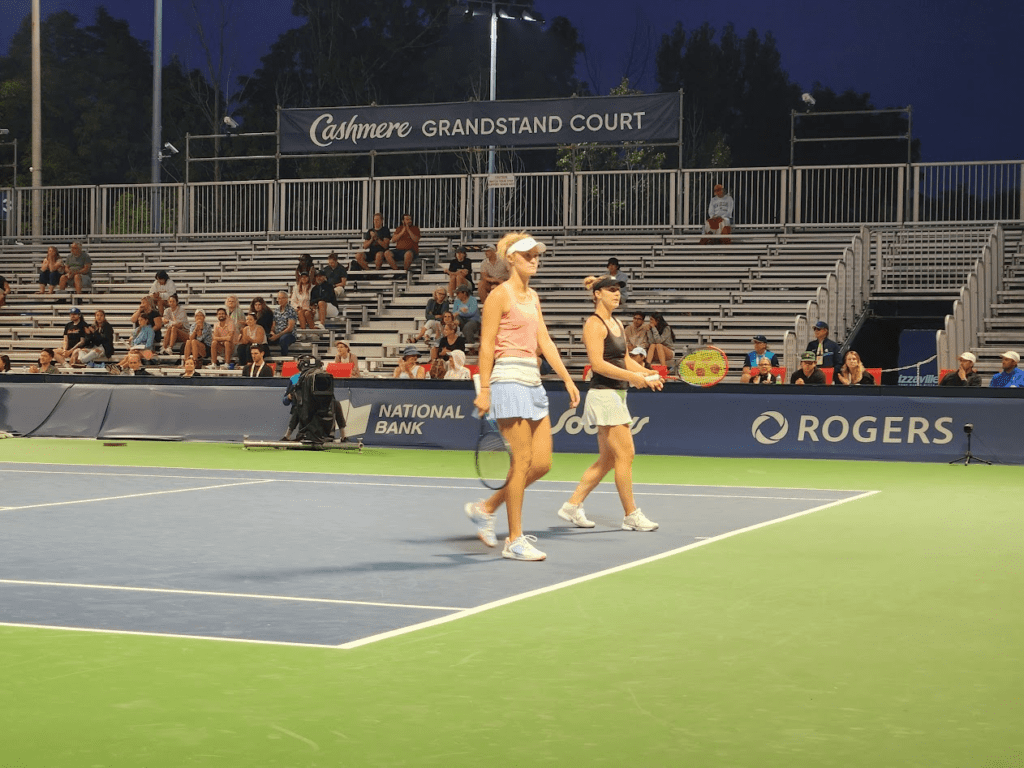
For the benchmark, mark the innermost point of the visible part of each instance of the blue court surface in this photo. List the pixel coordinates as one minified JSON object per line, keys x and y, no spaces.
{"x":322,"y":560}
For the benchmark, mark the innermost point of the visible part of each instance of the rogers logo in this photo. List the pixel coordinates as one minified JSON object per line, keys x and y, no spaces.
{"x":573,"y":424}
{"x":780,"y":422}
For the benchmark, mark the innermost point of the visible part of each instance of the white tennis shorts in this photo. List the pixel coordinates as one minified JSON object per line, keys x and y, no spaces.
{"x":606,"y":408}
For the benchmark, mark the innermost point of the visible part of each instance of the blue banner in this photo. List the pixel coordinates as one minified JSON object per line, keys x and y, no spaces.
{"x":916,"y":346}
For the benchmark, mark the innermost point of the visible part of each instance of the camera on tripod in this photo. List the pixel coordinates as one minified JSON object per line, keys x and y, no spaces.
{"x":968,"y":428}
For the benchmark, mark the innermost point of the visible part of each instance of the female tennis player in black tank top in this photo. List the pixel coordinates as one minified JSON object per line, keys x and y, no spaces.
{"x":605,"y":408}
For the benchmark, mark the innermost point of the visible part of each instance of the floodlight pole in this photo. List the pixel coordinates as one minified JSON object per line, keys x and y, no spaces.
{"x":494,"y":95}
{"x":156,"y":131}
{"x":37,"y":126}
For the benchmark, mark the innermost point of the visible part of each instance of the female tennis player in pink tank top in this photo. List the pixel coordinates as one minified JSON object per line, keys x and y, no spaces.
{"x":512,"y":332}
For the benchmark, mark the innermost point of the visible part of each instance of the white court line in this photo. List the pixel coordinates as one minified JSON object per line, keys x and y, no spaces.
{"x":202,"y":593}
{"x":133,"y":495}
{"x":588,"y":577}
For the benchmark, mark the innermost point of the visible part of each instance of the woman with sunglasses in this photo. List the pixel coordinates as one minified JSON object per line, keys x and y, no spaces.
{"x":513,"y":330}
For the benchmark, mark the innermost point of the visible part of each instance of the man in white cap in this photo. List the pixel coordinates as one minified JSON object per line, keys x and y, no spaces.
{"x":493,"y":272}
{"x":1011,"y":375}
{"x":964,"y":375}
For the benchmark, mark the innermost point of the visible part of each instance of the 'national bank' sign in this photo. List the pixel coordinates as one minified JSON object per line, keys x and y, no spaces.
{"x":652,"y":117}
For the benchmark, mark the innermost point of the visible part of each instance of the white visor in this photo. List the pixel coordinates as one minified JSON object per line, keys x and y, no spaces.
{"x":526,"y":244}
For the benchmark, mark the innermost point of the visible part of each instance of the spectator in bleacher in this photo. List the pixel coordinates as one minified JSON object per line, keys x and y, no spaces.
{"x":375,"y":246}
{"x":161,"y":289}
{"x":78,"y":270}
{"x":964,"y":375}
{"x":5,"y":364}
{"x":323,"y":300}
{"x":190,"y":371}
{"x":809,"y":373}
{"x":98,"y":342}
{"x":285,"y":320}
{"x":224,"y":336}
{"x":250,"y":334}
{"x":407,"y":243}
{"x":344,"y":354}
{"x":337,"y":275}
{"x":459,"y":270}
{"x":50,"y":271}
{"x":451,"y":339}
{"x":663,"y":340}
{"x":5,"y":288}
{"x":235,"y":312}
{"x":826,"y":351}
{"x":763,"y":373}
{"x":74,"y":332}
{"x":493,"y":272}
{"x":45,"y":364}
{"x":638,"y":333}
{"x":853,"y":372}
{"x":639,"y":356}
{"x":141,"y":342}
{"x":200,"y":338}
{"x":753,"y":359}
{"x":1011,"y":375}
{"x":264,"y":314}
{"x":457,"y":369}
{"x":304,"y":267}
{"x":408,"y":366}
{"x":258,"y":368}
{"x":437,"y":305}
{"x":438,"y":369}
{"x":613,"y":271}
{"x":174,"y":325}
{"x":156,"y":320}
{"x":133,"y":366}
{"x":467,"y":312}
{"x":720,"y":217}
{"x":301,"y":294}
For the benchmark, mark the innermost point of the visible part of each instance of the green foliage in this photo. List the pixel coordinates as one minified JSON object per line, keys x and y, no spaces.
{"x":133,"y":214}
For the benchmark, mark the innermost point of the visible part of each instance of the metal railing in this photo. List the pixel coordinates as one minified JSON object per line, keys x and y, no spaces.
{"x":668,"y":200}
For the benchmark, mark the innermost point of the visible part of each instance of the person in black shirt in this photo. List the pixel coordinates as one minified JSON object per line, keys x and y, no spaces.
{"x":459,"y":271}
{"x":337,"y":275}
{"x":964,"y":375}
{"x":376,"y":245}
{"x":323,"y":300}
{"x":74,"y":332}
{"x":809,"y":372}
{"x":451,"y":339}
{"x":97,"y":343}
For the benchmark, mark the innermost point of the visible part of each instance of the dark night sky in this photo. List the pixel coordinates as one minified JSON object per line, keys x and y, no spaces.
{"x":958,"y":63}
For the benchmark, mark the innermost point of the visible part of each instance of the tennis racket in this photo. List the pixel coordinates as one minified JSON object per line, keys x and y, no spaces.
{"x":493,"y":455}
{"x":704,"y":366}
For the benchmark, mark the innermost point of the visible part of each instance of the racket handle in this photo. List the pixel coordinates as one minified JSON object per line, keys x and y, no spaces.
{"x":476,"y":382}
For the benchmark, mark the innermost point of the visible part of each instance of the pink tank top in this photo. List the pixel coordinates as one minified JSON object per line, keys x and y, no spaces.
{"x":517,"y":331}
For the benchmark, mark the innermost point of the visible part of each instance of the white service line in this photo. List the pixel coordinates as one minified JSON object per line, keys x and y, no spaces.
{"x":133,"y":495}
{"x":202,"y":593}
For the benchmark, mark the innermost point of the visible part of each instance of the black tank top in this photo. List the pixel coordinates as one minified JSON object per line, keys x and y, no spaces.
{"x":614,"y":353}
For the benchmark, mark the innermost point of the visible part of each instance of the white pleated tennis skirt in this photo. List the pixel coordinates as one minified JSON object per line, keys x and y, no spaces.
{"x":510,"y":400}
{"x":606,"y":408}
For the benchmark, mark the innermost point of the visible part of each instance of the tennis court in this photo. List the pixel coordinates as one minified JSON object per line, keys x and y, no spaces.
{"x":787,"y":613}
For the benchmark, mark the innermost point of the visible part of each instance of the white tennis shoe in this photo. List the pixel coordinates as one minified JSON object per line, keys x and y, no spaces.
{"x":637,"y":521}
{"x":484,"y":523}
{"x":574,"y":514}
{"x":522,"y":549}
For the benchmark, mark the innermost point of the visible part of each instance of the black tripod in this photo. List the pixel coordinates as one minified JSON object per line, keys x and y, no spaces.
{"x":968,"y":457}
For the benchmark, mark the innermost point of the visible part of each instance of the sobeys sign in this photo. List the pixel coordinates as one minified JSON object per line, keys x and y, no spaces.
{"x":652,"y":117}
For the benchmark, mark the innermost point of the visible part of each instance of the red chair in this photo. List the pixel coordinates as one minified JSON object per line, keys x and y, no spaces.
{"x":876,"y":374}
{"x":829,"y":373}
{"x":661,"y":370}
{"x":474,"y":370}
{"x":780,"y":373}
{"x":273,"y":368}
{"x":944,"y":372}
{"x":586,"y":371}
{"x":338,"y":370}
{"x":288,"y":368}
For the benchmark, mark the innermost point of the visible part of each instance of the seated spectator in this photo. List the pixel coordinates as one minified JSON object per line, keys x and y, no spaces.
{"x":639,"y":355}
{"x":853,"y":373}
{"x":337,"y":275}
{"x":763,"y":373}
{"x":662,"y":341}
{"x":1011,"y":375}
{"x":809,"y":372}
{"x":720,"y":216}
{"x":344,"y":354}
{"x":258,"y":368}
{"x":190,"y":369}
{"x":50,"y":271}
{"x":156,"y":319}
{"x":304,"y":267}
{"x":375,"y":246}
{"x":438,"y":369}
{"x":285,"y":320}
{"x":134,"y":366}
{"x":638,"y":333}
{"x":964,"y":375}
{"x":301,"y":293}
{"x":613,"y":271}
{"x":493,"y":272}
{"x":323,"y":301}
{"x":457,"y":366}
{"x":406,"y":243}
{"x":753,"y":359}
{"x":97,"y":344}
{"x":74,"y":332}
{"x":264,"y":314}
{"x":826,"y":351}
{"x":5,"y":288}
{"x":160,"y":290}
{"x":45,"y":364}
{"x":459,"y":270}
{"x":451,"y":338}
{"x":200,"y":338}
{"x":437,"y":305}
{"x":408,"y":366}
{"x":250,"y":334}
{"x":141,"y":342}
{"x":77,"y":270}
{"x":5,"y":364}
{"x":224,"y":336}
{"x":235,"y":313}
{"x":467,"y":312}
{"x":174,"y":328}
